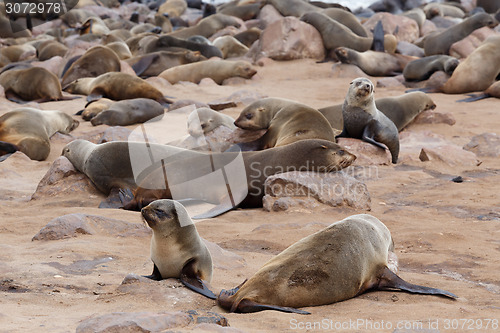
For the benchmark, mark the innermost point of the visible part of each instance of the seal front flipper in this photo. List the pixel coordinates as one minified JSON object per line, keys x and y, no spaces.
{"x":156,"y":275}
{"x":191,"y":279}
{"x":368,"y":137}
{"x":13,"y":97}
{"x":390,"y":280}
{"x":143,"y":64}
{"x":113,"y":200}
{"x":378,"y":37}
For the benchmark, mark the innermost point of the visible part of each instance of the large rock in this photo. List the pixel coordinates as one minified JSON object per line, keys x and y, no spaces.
{"x":72,"y":225}
{"x":267,"y":15}
{"x":466,"y":46}
{"x":366,"y":153}
{"x":434,"y":117}
{"x":334,"y":189}
{"x":290,"y":38}
{"x":485,"y":145}
{"x":404,"y":28}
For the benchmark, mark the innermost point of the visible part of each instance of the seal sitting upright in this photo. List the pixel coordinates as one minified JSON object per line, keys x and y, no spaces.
{"x":177,"y":251}
{"x":362,"y":119}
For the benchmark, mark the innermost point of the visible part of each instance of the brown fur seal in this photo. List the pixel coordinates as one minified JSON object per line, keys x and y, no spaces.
{"x":31,"y":84}
{"x":295,"y":8}
{"x":173,"y":8}
{"x":177,"y":250}
{"x":303,"y":155}
{"x":204,"y":120}
{"x":245,"y":12}
{"x":93,"y":108}
{"x":51,"y":48}
{"x":129,"y":112}
{"x":422,"y":69}
{"x":207,"y":26}
{"x":374,"y":63}
{"x":121,"y":49}
{"x":440,"y":42}
{"x":29,"y":130}
{"x":286,"y":122}
{"x":362,"y":119}
{"x":230,"y":47}
{"x":152,"y":64}
{"x":335,"y":34}
{"x":166,"y":43}
{"x":96,"y":61}
{"x":348,"y":19}
{"x":249,"y":36}
{"x":116,"y":86}
{"x":217,"y":70}
{"x":492,"y":91}
{"x":400,"y":109}
{"x":337,"y":263}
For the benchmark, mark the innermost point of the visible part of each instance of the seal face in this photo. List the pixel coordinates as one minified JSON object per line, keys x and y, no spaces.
{"x":334,"y":264}
{"x":177,"y":251}
{"x":362,"y":119}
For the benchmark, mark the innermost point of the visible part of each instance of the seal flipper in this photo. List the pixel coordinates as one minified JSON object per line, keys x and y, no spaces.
{"x":390,"y":280}
{"x":113,"y":200}
{"x":191,"y":279}
{"x":13,"y":97}
{"x":156,"y":275}
{"x":368,"y":137}
{"x":143,"y":64}
{"x":7,"y":149}
{"x":378,"y":37}
{"x":475,"y":97}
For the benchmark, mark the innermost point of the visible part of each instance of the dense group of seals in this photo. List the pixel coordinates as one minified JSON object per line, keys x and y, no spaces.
{"x":334,"y":264}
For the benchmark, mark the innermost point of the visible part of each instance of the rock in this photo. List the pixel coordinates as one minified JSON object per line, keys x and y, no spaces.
{"x":289,"y":38}
{"x":334,"y":189}
{"x":433,"y":117}
{"x":208,"y":318}
{"x":240,"y":98}
{"x":390,"y":82}
{"x":72,"y":225}
{"x":410,"y":49}
{"x":466,"y":46}
{"x":62,"y":179}
{"x":224,"y":259}
{"x":340,"y":70}
{"x":115,"y":133}
{"x":207,"y":82}
{"x":404,"y":28}
{"x":134,"y":322}
{"x":366,"y":153}
{"x":485,"y":145}
{"x":427,"y":28}
{"x":126,"y":68}
{"x":189,"y":104}
{"x":267,"y":15}
{"x":450,"y":155}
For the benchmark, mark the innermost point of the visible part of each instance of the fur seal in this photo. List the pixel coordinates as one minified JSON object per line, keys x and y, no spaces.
{"x":204,"y":120}
{"x":335,"y":34}
{"x":295,"y":8}
{"x":29,"y":130}
{"x":31,"y":84}
{"x":400,"y":109}
{"x":93,"y":108}
{"x":492,"y":91}
{"x":207,"y":26}
{"x":422,"y":69}
{"x":337,"y":263}
{"x":245,"y":12}
{"x":129,"y":112}
{"x":364,"y":121}
{"x":177,"y":250}
{"x":286,"y":122}
{"x":249,"y":36}
{"x":374,"y":63}
{"x":304,"y":155}
{"x":166,"y":43}
{"x":121,"y":49}
{"x":440,"y":42}
{"x":51,"y":48}
{"x":230,"y":47}
{"x":217,"y":70}
{"x":116,"y":86}
{"x":152,"y":64}
{"x":348,"y":19}
{"x":96,"y":61}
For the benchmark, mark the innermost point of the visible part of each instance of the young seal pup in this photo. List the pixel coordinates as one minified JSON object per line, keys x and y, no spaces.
{"x":362,"y":119}
{"x":177,"y":251}
{"x":334,"y":264}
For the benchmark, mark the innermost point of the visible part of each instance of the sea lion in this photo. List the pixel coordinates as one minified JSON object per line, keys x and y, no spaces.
{"x":440,"y":42}
{"x":422,"y":69}
{"x":286,"y":122}
{"x":207,"y":26}
{"x":177,"y":250}
{"x":335,"y":34}
{"x":400,"y":109}
{"x":217,"y":70}
{"x":374,"y":63}
{"x":166,"y":42}
{"x":152,"y":64}
{"x":304,"y":155}
{"x":364,"y":121}
{"x":337,"y":263}
{"x":129,"y":112}
{"x":96,"y":61}
{"x":116,"y":86}
{"x":29,"y":130}
{"x":230,"y":47}
{"x":31,"y":84}
{"x":204,"y":120}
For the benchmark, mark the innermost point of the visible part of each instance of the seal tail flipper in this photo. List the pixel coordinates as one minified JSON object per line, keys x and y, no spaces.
{"x":128,"y":201}
{"x":191,"y":279}
{"x":248,"y":306}
{"x":113,"y":200}
{"x":474,"y":97}
{"x":390,"y":280}
{"x":156,"y":275}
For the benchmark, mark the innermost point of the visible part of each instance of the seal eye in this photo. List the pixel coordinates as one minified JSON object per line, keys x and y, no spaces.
{"x":249,"y":116}
{"x":162,"y":214}
{"x":341,"y":152}
{"x":324,"y":147}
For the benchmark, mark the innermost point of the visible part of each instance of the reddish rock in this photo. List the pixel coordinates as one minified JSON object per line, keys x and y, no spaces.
{"x":366,"y":153}
{"x":267,"y":15}
{"x":404,"y":28}
{"x":433,"y":117}
{"x":485,"y":145}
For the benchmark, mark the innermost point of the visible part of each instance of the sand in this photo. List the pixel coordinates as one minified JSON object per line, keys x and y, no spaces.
{"x":446,"y":234}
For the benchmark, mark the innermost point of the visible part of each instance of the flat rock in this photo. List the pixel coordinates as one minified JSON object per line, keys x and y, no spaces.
{"x":404,"y":28}
{"x":73,"y":225}
{"x":451,"y":155}
{"x":390,"y":82}
{"x":334,"y":189}
{"x":189,"y":104}
{"x":366,"y":153}
{"x":240,"y":98}
{"x":340,"y":70}
{"x":289,"y":38}
{"x":485,"y":145}
{"x":434,"y":117}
